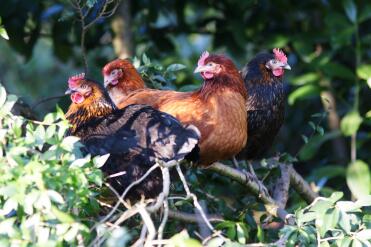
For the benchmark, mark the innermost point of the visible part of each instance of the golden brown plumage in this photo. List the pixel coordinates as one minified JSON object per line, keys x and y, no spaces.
{"x":217,"y":109}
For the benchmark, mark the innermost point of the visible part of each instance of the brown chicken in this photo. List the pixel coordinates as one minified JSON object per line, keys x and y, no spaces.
{"x":135,"y":137}
{"x":217,"y":109}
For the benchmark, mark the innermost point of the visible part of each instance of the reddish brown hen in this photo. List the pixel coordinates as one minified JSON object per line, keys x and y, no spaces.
{"x":217,"y":109}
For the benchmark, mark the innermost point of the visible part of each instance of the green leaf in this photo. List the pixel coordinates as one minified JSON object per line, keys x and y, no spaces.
{"x":364,"y":234}
{"x":345,"y":242}
{"x":175,"y":67}
{"x":2,"y":95}
{"x":358,"y":179}
{"x":350,"y":10}
{"x":312,"y":125}
{"x":330,"y":220}
{"x":307,"y":217}
{"x":303,"y":92}
{"x":305,"y":139}
{"x":305,"y":79}
{"x":344,"y":221}
{"x":364,"y":201}
{"x":336,"y":196}
{"x":99,"y":161}
{"x":55,"y":196}
{"x":320,"y":130}
{"x":260,"y":234}
{"x":3,"y":33}
{"x":364,"y":71}
{"x":333,"y":69}
{"x":146,"y":60}
{"x":348,"y":206}
{"x":365,"y":13}
{"x":240,"y":234}
{"x":350,"y":123}
{"x":311,"y":148}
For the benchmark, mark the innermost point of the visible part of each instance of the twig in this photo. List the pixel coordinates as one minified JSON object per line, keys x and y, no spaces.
{"x":192,"y":218}
{"x":164,"y":220}
{"x":301,"y":186}
{"x":149,"y":224}
{"x":195,"y":200}
{"x":104,"y":12}
{"x":124,"y":194}
{"x":281,"y":190}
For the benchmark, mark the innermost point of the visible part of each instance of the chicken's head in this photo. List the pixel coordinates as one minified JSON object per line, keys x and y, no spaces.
{"x":278,"y":63}
{"x":212,"y":65}
{"x":81,"y":89}
{"x":118,"y":71}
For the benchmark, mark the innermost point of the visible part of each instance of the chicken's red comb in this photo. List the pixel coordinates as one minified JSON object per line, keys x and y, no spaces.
{"x":73,"y":80}
{"x":201,"y":60}
{"x":280,"y":56}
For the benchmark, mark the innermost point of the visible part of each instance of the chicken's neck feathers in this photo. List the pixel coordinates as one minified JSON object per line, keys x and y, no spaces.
{"x":79,"y":115}
{"x":222,"y":83}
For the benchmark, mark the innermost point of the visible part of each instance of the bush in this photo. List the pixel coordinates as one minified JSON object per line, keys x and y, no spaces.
{"x":47,"y":188}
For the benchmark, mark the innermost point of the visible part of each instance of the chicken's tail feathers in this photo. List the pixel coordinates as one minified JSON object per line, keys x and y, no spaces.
{"x":189,"y":149}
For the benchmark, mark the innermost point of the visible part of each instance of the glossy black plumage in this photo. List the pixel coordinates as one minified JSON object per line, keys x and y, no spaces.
{"x":265,"y":106}
{"x":135,"y":137}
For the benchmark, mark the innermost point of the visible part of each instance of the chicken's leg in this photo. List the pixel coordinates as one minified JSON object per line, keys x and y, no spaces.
{"x":252,"y":176}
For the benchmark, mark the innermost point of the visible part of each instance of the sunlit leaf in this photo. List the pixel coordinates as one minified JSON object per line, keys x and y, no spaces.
{"x":350,"y":123}
{"x":3,"y":33}
{"x":364,"y":71}
{"x":175,"y":67}
{"x":336,"y":196}
{"x":358,"y":179}
{"x":303,"y":92}
{"x":99,"y":161}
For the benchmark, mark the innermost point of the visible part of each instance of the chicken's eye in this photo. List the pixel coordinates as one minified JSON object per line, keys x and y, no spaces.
{"x":274,"y":61}
{"x":210,"y":64}
{"x":83,"y":86}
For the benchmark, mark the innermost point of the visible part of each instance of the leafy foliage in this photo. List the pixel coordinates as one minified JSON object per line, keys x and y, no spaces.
{"x":47,"y":187}
{"x":330,"y":222}
{"x":328,"y":46}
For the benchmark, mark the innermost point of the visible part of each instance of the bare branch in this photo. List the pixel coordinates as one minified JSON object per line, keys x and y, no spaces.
{"x":192,"y":218}
{"x":164,"y":220}
{"x":301,"y":186}
{"x":281,"y":190}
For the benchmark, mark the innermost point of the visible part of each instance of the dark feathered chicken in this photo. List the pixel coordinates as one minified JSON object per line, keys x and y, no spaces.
{"x":135,"y":136}
{"x":265,"y":102}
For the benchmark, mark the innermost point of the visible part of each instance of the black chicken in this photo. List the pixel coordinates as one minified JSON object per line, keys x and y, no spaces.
{"x":135,"y":137}
{"x":265,"y":101}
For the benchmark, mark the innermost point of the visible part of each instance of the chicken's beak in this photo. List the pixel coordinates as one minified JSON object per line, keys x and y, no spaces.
{"x":69,"y":91}
{"x":200,"y":69}
{"x":107,"y":81}
{"x":287,"y":66}
{"x":282,"y":65}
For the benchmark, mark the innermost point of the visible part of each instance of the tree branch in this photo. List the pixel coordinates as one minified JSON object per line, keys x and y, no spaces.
{"x":270,"y":204}
{"x":192,"y":218}
{"x":301,"y":186}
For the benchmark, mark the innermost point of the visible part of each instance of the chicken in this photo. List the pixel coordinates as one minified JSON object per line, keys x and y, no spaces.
{"x":127,"y":73}
{"x":265,"y":103}
{"x":135,"y":136}
{"x":217,"y":109}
